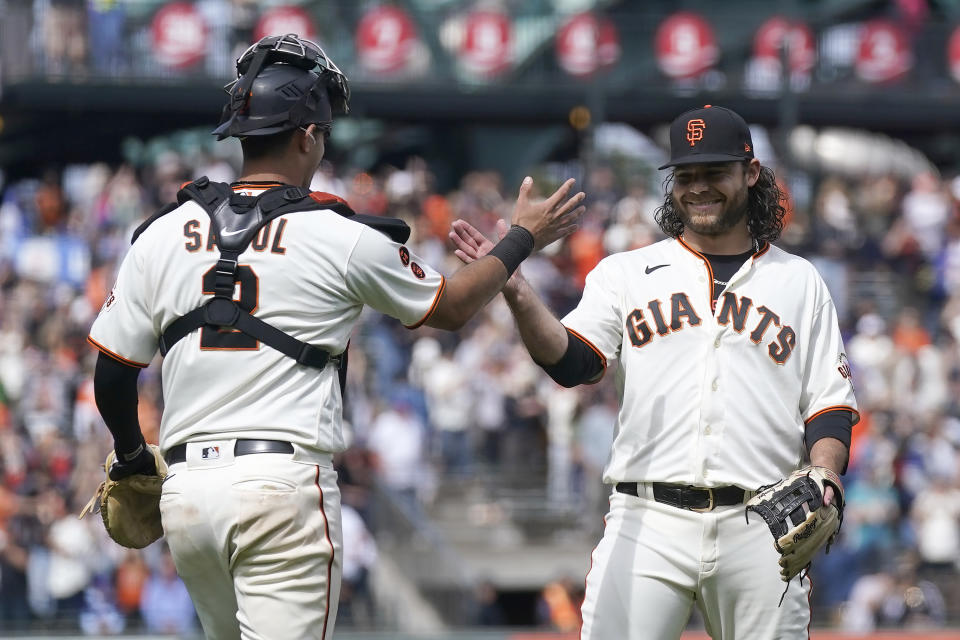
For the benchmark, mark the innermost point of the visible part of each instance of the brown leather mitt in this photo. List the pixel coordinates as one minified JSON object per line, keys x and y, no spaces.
{"x":130,"y":506}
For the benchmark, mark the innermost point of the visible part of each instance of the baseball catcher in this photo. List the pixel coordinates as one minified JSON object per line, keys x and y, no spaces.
{"x":800,"y":521}
{"x":129,"y":498}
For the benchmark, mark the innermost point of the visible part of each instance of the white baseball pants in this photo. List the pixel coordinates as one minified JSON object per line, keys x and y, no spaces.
{"x":257,"y":540}
{"x":655,"y":561}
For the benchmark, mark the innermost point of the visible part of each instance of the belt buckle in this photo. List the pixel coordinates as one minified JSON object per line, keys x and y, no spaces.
{"x":709,"y":506}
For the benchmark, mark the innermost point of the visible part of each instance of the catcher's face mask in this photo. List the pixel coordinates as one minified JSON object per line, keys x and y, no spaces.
{"x":283,"y":82}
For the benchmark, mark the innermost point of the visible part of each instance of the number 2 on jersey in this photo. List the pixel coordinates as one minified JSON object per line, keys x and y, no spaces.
{"x":232,"y":339}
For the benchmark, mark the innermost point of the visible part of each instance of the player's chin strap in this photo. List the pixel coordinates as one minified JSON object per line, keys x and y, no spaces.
{"x":233,"y":231}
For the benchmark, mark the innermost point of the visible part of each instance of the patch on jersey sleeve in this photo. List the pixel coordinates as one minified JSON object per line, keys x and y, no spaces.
{"x":417,"y":271}
{"x":109,"y":301}
{"x":844,"y":368}
{"x":404,"y":256}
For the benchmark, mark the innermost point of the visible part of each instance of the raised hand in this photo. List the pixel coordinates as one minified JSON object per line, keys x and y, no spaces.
{"x":471,"y":245}
{"x":551,"y":219}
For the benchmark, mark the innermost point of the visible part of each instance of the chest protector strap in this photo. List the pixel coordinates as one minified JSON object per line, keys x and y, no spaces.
{"x":234,"y":221}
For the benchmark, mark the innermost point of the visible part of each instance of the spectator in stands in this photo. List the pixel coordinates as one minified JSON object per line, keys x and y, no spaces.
{"x":489,"y":612}
{"x":935,"y":516}
{"x":872,"y":355}
{"x":559,"y":606}
{"x":397,"y":440}
{"x":449,"y":402}
{"x":73,"y":554}
{"x":165,"y":604}
{"x":359,"y":558}
{"x":894,"y":598}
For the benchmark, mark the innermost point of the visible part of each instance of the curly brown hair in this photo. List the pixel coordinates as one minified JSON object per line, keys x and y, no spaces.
{"x":765,"y":208}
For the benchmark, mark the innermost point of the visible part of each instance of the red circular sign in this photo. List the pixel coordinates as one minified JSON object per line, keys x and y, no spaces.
{"x":953,"y":54}
{"x":797,"y":36}
{"x":283,"y":20}
{"x":486,"y":42}
{"x":179,"y":35}
{"x":884,"y":53}
{"x":685,"y":45}
{"x":586,"y":43}
{"x":385,"y":38}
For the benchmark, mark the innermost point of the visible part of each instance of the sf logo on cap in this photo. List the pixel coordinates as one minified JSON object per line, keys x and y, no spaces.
{"x":695,"y":129}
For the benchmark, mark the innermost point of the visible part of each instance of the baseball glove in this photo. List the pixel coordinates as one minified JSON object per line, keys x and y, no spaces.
{"x":800,"y":523}
{"x":129,"y":498}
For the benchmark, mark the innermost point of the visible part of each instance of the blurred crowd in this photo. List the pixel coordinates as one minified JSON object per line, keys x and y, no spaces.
{"x":426,"y":407}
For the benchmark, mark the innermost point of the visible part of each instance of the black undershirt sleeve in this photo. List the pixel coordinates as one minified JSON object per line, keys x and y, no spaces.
{"x":833,"y":424}
{"x":579,"y":364}
{"x":115,"y":391}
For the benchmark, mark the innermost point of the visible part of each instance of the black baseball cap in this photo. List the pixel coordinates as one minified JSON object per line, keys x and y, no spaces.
{"x":709,"y":134}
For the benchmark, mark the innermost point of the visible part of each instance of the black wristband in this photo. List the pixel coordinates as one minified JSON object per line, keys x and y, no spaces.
{"x":514,"y":248}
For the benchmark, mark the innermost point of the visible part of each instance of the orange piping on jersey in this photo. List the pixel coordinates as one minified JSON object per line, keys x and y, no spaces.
{"x":838,"y":407}
{"x":603,"y":359}
{"x":706,"y":263}
{"x":118,"y":358}
{"x":433,"y":307}
{"x":326,"y":532}
{"x":243,"y":186}
{"x":762,"y":250}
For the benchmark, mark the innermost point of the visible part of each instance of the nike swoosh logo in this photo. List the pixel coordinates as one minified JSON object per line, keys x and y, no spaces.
{"x":231,"y":233}
{"x":650,"y":270}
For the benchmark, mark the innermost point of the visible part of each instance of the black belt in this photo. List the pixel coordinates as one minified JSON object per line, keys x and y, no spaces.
{"x":685,"y":497}
{"x":178,"y":453}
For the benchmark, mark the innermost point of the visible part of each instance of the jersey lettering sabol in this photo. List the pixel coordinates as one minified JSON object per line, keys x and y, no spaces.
{"x":307,"y":273}
{"x":713,"y":398}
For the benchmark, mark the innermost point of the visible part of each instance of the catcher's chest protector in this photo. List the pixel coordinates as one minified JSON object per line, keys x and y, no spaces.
{"x":235,"y":220}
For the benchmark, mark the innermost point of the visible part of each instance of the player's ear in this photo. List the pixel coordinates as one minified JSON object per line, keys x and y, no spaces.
{"x":752,"y":170}
{"x":308,"y":139}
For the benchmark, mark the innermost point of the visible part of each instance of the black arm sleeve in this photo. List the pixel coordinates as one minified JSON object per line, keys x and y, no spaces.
{"x":833,"y":424}
{"x":579,"y":364}
{"x":115,"y":390}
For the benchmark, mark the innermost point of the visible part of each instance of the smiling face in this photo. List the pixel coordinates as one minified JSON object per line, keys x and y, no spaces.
{"x":711,"y":198}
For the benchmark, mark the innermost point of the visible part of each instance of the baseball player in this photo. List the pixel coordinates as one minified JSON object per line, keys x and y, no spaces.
{"x":731,"y":375}
{"x":251,"y":291}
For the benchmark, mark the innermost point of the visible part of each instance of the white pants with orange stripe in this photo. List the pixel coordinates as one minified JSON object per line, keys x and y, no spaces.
{"x":257,"y":541}
{"x":656,"y":561}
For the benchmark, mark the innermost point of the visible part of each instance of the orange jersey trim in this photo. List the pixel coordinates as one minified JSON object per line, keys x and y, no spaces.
{"x":839,"y":407}
{"x":433,"y":307}
{"x":243,"y":186}
{"x":706,"y":263}
{"x":603,"y":359}
{"x":118,"y":358}
{"x":763,"y":249}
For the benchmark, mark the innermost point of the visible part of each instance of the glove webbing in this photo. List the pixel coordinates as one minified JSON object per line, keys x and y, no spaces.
{"x":787,"y":502}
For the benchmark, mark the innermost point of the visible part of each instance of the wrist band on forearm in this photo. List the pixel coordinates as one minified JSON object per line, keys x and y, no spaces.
{"x":513,"y":248}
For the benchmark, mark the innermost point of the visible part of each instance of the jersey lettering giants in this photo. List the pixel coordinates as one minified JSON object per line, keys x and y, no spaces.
{"x":683,"y":314}
{"x":699,"y":388}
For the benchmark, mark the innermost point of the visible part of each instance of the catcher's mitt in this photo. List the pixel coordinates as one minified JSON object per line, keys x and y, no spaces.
{"x":800,"y":523}
{"x":130,"y":506}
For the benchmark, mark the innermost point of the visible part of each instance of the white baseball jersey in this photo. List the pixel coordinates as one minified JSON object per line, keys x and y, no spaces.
{"x":713,"y":398}
{"x":307,"y":273}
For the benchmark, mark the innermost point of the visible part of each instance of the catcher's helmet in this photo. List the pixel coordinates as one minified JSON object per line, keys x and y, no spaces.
{"x":283,"y":82}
